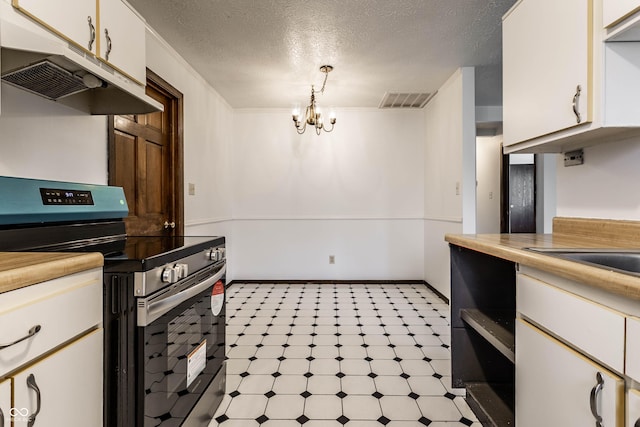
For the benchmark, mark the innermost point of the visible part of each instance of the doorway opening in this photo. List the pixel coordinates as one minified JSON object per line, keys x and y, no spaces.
{"x":518,"y":194}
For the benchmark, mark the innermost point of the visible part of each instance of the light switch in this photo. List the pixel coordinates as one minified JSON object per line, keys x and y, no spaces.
{"x":192,"y":189}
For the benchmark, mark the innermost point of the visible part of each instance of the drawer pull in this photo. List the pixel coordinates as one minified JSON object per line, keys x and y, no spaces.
{"x":34,"y":330}
{"x":31,"y":383}
{"x":594,"y":398}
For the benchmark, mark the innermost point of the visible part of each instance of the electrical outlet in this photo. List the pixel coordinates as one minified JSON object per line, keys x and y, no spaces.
{"x":192,"y":189}
{"x":332,"y":259}
{"x":457,"y":188}
{"x":490,"y":195}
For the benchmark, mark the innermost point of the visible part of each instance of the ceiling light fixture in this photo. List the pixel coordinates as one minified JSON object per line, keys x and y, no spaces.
{"x":312,"y":115}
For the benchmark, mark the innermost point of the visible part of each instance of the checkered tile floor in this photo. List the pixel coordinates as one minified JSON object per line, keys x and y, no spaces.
{"x":359,"y":355}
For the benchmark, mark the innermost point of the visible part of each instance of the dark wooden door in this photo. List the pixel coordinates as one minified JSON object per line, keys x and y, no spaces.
{"x":145,"y":158}
{"x":522,"y":197}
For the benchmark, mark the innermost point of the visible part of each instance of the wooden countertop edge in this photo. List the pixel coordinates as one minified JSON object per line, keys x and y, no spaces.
{"x":31,"y":268}
{"x":611,"y":281}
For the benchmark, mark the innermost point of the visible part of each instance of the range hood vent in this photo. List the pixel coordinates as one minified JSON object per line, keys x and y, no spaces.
{"x":405,"y":100}
{"x":46,"y":79}
{"x":41,"y":63}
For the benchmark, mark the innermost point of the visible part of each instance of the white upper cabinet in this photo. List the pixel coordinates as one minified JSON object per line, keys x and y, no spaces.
{"x":122,"y":39}
{"x":75,"y":20}
{"x":114,"y":33}
{"x":546,"y":73}
{"x":564,"y":87}
{"x":614,"y":11}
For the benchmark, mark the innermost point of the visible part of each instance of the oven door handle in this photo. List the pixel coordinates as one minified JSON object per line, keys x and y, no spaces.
{"x":150,"y":309}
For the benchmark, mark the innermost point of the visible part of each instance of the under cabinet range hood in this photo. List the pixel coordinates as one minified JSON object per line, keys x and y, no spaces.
{"x":41,"y":63}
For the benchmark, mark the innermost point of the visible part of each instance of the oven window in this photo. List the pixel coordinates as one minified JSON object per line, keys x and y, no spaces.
{"x":190,"y":334}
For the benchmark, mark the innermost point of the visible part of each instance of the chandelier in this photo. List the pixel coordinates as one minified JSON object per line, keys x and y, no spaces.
{"x":312,"y":116}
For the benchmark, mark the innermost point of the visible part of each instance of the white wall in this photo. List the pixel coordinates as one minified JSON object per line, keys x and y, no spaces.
{"x":355,"y":193}
{"x":44,"y":140}
{"x":449,"y":173}
{"x":488,"y":166}
{"x":605,"y":186}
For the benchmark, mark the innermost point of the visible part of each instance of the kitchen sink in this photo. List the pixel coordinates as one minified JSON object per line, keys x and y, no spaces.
{"x":626,"y":261}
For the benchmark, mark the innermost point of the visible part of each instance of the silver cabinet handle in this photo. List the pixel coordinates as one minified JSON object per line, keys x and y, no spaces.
{"x":92,"y":33}
{"x":31,"y":383}
{"x":168,"y":224}
{"x":106,"y":35}
{"x":576,"y":99}
{"x":593,"y":400}
{"x":34,"y":330}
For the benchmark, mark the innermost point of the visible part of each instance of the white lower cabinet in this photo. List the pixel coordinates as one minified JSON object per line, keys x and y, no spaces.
{"x":63,"y":389}
{"x":633,"y":408}
{"x":5,"y":403}
{"x":557,"y":386}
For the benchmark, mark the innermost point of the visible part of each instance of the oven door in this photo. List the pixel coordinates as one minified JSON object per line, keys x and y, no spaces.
{"x":181,"y":346}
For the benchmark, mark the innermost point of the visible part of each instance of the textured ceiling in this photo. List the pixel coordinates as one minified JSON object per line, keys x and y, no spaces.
{"x":267,"y":53}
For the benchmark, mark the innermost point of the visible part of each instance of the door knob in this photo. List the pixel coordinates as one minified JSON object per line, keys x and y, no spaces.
{"x":168,"y":224}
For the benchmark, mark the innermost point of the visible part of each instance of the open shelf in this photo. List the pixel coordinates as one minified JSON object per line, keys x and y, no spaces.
{"x":492,"y":403}
{"x":497,"y":327}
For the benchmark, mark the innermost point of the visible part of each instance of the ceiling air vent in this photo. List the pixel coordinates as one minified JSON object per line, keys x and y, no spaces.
{"x":405,"y":100}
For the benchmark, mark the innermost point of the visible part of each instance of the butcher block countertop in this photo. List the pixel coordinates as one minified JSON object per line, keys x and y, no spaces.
{"x":20,"y":269}
{"x":568,"y":233}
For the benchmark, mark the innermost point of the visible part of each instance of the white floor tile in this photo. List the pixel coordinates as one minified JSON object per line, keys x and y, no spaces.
{"x":361,"y":408}
{"x":285,"y":406}
{"x":400,"y":408}
{"x":323,"y":407}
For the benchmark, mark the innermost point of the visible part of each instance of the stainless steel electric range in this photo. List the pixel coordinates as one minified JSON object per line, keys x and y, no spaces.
{"x":164,"y":311}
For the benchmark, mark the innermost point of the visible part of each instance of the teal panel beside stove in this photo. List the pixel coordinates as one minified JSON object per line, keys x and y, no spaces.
{"x":30,"y":201}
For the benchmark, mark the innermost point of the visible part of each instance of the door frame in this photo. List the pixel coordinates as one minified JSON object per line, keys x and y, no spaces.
{"x":175,"y":119}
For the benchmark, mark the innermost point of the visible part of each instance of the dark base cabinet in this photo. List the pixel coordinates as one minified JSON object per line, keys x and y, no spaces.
{"x":483,"y":301}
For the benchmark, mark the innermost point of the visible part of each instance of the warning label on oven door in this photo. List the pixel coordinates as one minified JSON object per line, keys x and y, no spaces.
{"x":196,"y":361}
{"x":217,"y":298}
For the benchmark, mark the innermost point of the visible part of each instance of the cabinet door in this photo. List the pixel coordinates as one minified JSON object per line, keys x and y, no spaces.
{"x":68,"y":384}
{"x":613,"y":11}
{"x":633,"y":408}
{"x":5,"y":403}
{"x":122,"y":39}
{"x":556,"y":386}
{"x":546,"y":45}
{"x":71,"y":19}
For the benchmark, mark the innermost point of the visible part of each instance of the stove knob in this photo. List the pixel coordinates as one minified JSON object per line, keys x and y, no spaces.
{"x":183,"y":270}
{"x":212,"y":255}
{"x":170,"y":275}
{"x":223,"y":253}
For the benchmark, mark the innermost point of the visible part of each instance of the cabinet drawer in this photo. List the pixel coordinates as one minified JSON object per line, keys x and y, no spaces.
{"x":63,"y":308}
{"x":593,"y":328}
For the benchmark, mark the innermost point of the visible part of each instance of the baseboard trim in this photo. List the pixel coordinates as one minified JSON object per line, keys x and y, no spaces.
{"x":347,"y":282}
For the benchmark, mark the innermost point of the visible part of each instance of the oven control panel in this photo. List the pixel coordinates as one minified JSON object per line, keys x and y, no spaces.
{"x":57,"y":196}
